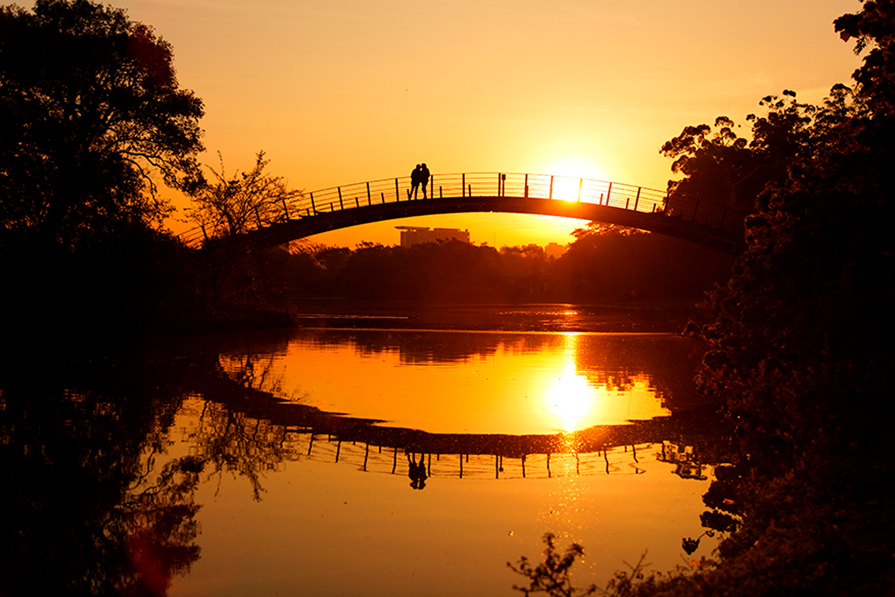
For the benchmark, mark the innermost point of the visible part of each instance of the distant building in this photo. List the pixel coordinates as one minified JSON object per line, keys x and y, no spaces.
{"x":416,"y":235}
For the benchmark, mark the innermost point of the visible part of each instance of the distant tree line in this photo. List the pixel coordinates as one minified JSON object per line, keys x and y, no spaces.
{"x":601,"y":266}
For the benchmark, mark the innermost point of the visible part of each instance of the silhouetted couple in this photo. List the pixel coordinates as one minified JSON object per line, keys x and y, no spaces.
{"x":417,"y":472}
{"x":419,"y":176}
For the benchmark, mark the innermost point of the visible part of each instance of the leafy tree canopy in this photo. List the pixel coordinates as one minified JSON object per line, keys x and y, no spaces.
{"x":90,"y":112}
{"x":728,"y":172}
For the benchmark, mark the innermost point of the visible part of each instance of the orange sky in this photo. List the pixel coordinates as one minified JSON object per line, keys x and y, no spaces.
{"x":343,"y":91}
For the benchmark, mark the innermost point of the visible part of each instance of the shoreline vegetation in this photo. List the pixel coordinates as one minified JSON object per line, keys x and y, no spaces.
{"x":634,"y":281}
{"x":798,"y":356}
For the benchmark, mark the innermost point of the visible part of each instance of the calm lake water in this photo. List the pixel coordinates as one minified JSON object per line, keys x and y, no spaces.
{"x":373,"y":456}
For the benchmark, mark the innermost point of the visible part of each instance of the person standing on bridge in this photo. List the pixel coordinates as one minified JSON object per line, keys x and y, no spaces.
{"x":415,"y":181}
{"x":424,"y":178}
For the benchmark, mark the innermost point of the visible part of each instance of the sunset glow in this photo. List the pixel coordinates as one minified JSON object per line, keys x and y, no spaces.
{"x":345,"y":91}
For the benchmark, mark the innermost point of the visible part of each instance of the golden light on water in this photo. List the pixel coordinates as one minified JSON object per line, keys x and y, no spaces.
{"x":571,"y":397}
{"x":516,"y":383}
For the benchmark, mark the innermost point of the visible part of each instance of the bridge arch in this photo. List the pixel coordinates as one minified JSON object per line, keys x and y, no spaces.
{"x":535,"y":194}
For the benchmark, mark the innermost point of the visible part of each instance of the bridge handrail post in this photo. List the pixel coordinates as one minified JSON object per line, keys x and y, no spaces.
{"x":369,"y":201}
{"x":463,"y":185}
{"x":341,"y":204}
{"x":526,"y":186}
{"x":313,"y":207}
{"x":580,"y":185}
{"x":397,"y":191}
{"x":285,"y":208}
{"x":551,"y":188}
{"x":609,"y":195}
{"x":637,"y":200}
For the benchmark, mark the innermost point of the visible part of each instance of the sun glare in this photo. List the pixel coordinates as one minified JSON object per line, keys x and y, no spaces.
{"x":568,"y":173}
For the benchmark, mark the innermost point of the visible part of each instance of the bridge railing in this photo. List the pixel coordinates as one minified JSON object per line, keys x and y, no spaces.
{"x":468,"y":185}
{"x":482,"y":184}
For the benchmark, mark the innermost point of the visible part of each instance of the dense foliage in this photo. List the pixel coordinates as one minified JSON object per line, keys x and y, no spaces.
{"x":90,"y":109}
{"x":799,"y":348}
{"x":91,"y":118}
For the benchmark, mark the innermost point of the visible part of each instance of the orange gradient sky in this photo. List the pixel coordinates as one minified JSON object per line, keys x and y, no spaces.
{"x":343,"y":91}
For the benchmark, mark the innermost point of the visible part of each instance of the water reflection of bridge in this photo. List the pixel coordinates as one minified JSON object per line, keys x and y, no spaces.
{"x":374,"y":447}
{"x":371,"y":458}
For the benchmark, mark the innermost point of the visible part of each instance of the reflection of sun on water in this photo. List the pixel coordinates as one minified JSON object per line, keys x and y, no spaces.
{"x":570,"y":397}
{"x":573,"y":399}
{"x":576,"y":403}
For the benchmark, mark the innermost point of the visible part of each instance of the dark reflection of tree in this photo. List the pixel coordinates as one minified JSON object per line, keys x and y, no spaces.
{"x":89,"y":509}
{"x":230,"y":441}
{"x":414,"y":347}
{"x":669,"y":362}
{"x":72,"y":441}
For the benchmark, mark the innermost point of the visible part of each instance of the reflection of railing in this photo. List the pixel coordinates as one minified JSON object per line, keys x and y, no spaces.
{"x":371,"y":446}
{"x":392,"y":460}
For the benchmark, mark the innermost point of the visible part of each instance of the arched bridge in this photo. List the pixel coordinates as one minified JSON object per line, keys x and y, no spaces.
{"x":538,"y":194}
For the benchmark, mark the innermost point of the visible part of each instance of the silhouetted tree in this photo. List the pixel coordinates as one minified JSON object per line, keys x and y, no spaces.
{"x":246,"y":200}
{"x":711,"y":161}
{"x":799,"y":347}
{"x":553,"y":575}
{"x":723,"y":173}
{"x":90,"y":112}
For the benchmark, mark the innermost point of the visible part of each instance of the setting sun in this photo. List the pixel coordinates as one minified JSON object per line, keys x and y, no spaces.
{"x":572,"y":175}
